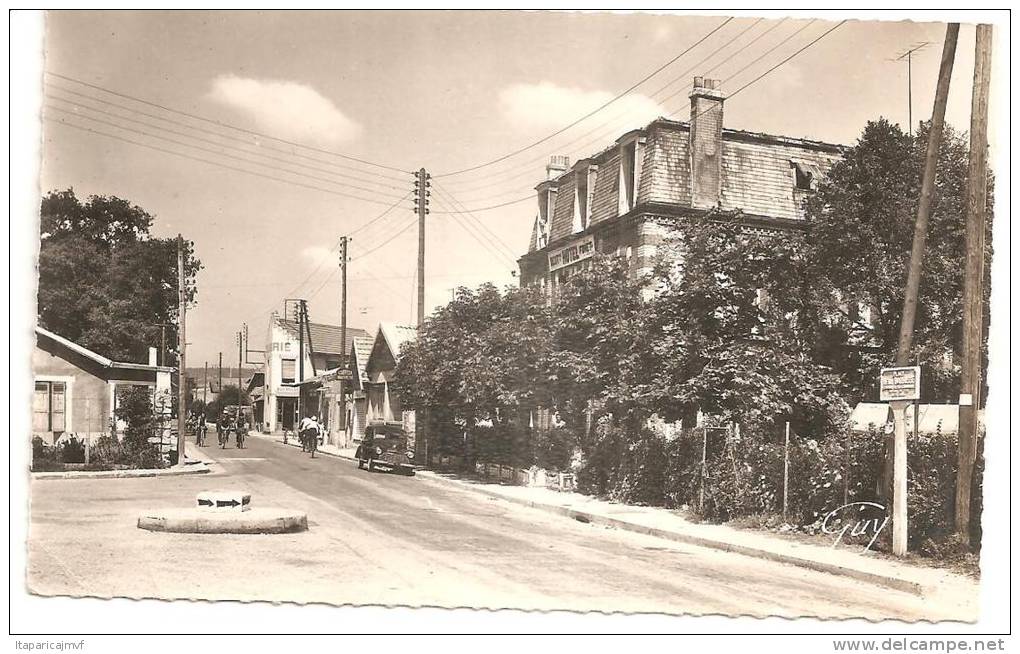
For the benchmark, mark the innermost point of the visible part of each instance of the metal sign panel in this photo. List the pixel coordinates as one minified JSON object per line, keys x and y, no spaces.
{"x":572,"y":253}
{"x":900,"y":384}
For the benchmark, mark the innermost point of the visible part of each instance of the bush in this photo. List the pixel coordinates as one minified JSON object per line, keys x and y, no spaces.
{"x":553,"y":448}
{"x":72,"y":450}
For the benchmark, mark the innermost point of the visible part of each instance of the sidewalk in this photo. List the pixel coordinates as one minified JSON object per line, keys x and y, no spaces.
{"x":663,"y":523}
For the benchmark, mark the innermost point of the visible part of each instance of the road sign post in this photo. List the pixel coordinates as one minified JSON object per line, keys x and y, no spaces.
{"x":899,"y":387}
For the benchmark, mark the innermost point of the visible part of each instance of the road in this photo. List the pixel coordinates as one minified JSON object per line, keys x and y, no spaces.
{"x":384,"y":539}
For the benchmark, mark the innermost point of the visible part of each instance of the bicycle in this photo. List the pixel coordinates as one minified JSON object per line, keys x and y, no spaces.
{"x":239,"y":438}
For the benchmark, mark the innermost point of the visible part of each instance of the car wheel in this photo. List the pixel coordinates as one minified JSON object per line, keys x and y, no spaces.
{"x":361,"y":464}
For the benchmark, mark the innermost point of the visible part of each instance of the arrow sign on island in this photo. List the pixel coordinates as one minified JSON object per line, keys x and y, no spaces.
{"x":226,"y":500}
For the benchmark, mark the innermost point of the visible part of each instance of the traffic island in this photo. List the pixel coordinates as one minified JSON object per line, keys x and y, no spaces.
{"x":224,"y":512}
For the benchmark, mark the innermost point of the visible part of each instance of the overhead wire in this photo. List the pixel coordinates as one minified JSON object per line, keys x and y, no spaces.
{"x":227,"y":155}
{"x":223,"y":124}
{"x":594,"y":111}
{"x":603,"y":133}
{"x":731,"y":95}
{"x":210,"y":162}
{"x":217,"y":134}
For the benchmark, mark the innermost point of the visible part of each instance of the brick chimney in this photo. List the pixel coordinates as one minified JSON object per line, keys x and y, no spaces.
{"x":558,"y":165}
{"x":706,"y":142}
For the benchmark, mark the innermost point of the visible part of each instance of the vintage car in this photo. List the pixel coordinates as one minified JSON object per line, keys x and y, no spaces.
{"x":385,"y":446}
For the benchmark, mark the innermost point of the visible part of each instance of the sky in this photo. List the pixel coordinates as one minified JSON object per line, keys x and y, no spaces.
{"x":443,"y":90}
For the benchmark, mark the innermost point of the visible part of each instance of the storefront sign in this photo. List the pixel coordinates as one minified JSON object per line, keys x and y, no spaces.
{"x":573,"y":253}
{"x":900,"y":384}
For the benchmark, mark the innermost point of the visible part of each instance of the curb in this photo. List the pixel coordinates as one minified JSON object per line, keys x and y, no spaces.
{"x":197,"y":468}
{"x":895,"y":583}
{"x":196,"y":521}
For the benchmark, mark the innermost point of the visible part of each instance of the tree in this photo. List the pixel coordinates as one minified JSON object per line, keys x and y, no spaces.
{"x":478,"y":359}
{"x":104,"y":281}
{"x":858,"y":248}
{"x":228,"y":396}
{"x":733,"y":307}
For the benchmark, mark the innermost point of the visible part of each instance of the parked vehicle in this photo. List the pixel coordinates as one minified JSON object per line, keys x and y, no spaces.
{"x":385,"y":446}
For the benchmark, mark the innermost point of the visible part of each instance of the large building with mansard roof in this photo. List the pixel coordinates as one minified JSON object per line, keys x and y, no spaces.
{"x":612,"y":201}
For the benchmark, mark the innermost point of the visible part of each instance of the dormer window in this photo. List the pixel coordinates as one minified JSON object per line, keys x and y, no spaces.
{"x":543,"y":232}
{"x":631,"y":157}
{"x":805,"y":175}
{"x":584,"y":184}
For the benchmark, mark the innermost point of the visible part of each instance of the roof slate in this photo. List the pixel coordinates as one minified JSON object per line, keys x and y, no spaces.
{"x":326,"y":338}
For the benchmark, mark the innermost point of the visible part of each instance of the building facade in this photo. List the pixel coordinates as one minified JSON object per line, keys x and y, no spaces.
{"x":615,"y":201}
{"x":76,"y":389}
{"x":292,"y":357}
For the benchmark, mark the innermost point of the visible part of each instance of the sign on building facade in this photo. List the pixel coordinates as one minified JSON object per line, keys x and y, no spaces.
{"x":572,"y":253}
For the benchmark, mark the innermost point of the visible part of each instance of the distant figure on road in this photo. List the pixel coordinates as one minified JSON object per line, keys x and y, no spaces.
{"x":201,"y":430}
{"x":310,"y":430}
{"x":303,"y":428}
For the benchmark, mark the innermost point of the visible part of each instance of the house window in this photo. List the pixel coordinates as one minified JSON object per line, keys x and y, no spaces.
{"x":631,"y":153}
{"x":48,"y":407}
{"x":584,"y":183}
{"x":805,"y":175}
{"x":581,"y":206}
{"x":287,"y":370}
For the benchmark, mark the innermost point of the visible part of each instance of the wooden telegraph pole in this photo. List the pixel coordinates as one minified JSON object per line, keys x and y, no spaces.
{"x":182,"y":346}
{"x":422,"y":193}
{"x":973,"y":280}
{"x":899,"y":407}
{"x":345,"y":357}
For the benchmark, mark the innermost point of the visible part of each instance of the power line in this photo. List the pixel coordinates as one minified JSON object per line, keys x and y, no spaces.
{"x":746,"y":86}
{"x":784,"y":61}
{"x":222,"y":124}
{"x":478,"y":236}
{"x":330,"y":252}
{"x":527,"y":165}
{"x":212,"y":132}
{"x":594,"y":111}
{"x":209,"y":161}
{"x":229,"y":148}
{"x":389,"y":240}
{"x":458,"y":204}
{"x":687,"y":87}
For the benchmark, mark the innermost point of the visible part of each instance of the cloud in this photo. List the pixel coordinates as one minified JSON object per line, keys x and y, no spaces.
{"x":316,"y":253}
{"x":286,"y":109}
{"x":548,"y":106}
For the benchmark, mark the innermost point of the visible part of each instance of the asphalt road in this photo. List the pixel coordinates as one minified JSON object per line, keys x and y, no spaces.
{"x":385,"y":539}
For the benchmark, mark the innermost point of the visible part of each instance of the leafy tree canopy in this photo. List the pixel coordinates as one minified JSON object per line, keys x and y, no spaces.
{"x":104,"y":281}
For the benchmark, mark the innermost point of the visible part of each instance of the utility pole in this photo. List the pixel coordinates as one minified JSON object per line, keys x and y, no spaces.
{"x":973,"y":279}
{"x":343,"y":336}
{"x":422,"y":193}
{"x":205,"y":384}
{"x":219,"y":377}
{"x":422,"y":184}
{"x":240,"y":361}
{"x":899,"y":407}
{"x":182,"y":346}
